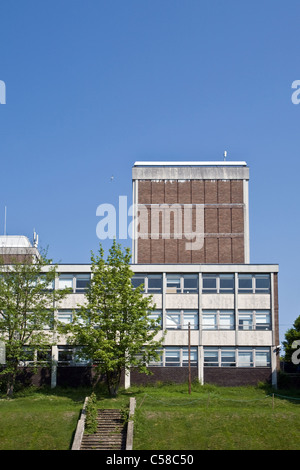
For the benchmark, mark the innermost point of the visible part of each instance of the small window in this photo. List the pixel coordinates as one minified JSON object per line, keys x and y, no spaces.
{"x":82,"y":282}
{"x":138,"y":280}
{"x":173,"y":283}
{"x":209,"y":284}
{"x":154,"y":283}
{"x":173,"y":320}
{"x":245,"y":357}
{"x":228,"y":357}
{"x":65,"y":281}
{"x":246,"y":321}
{"x":156,"y":316}
{"x":262,"y":357}
{"x":211,"y":357}
{"x":209,"y":320}
{"x":65,"y":317}
{"x":245,"y":283}
{"x":190,"y":283}
{"x":193,"y":357}
{"x":263,"y":320}
{"x":172,"y":357}
{"x":262,"y":283}
{"x":226,"y":283}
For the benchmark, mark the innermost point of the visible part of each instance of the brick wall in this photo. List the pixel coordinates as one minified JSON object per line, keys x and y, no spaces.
{"x":222,"y":202}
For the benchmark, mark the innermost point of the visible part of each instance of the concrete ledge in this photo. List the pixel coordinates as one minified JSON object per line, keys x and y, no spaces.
{"x":80,"y":428}
{"x":129,"y":437}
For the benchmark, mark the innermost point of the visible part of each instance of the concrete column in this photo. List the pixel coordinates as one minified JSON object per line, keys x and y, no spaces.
{"x":54,"y":366}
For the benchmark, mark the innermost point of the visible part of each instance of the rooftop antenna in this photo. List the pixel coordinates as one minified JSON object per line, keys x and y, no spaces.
{"x":35,"y":239}
{"x":5,"y":220}
{"x":225,"y":155}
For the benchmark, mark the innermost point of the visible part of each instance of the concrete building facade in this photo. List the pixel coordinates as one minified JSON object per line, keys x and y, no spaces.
{"x":191,"y":253}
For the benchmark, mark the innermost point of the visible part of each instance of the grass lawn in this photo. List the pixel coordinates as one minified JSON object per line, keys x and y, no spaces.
{"x":166,"y":418}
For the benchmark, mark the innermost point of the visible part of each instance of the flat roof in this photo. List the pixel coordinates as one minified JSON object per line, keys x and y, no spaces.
{"x":196,"y":163}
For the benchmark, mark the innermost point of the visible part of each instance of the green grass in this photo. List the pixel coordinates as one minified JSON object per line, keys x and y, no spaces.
{"x":166,"y":418}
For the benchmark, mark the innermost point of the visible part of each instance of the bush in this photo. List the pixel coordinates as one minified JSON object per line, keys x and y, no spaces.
{"x":91,"y":415}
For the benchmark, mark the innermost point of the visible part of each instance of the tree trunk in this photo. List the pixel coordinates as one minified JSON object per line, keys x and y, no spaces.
{"x":113,"y":381}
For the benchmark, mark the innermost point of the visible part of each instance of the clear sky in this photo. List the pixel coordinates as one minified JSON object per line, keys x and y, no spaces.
{"x":93,"y":85}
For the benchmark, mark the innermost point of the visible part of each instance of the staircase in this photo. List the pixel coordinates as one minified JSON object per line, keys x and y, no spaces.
{"x":110,"y":434}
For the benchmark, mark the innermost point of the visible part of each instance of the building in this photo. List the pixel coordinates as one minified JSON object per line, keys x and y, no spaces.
{"x":191,"y":252}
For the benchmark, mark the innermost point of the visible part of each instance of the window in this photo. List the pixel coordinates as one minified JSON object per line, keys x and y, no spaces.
{"x":180,"y":319}
{"x":218,"y":283}
{"x":172,"y":357}
{"x":218,"y":320}
{"x":156,"y":316}
{"x":154,"y":283}
{"x":82,"y":282}
{"x":179,"y":357}
{"x":245,"y":357}
{"x":254,"y":283}
{"x":262,"y":283}
{"x":173,"y":283}
{"x":211,"y":357}
{"x":254,"y":320}
{"x":182,"y":283}
{"x":262,"y":357}
{"x":228,"y":357}
{"x":237,"y":357}
{"x":65,"y":281}
{"x":138,"y":280}
{"x":190,"y":283}
{"x":65,"y":316}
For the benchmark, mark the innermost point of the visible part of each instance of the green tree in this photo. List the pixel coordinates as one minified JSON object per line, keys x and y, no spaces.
{"x":292,"y":336}
{"x":113,"y":327}
{"x":27,"y":303}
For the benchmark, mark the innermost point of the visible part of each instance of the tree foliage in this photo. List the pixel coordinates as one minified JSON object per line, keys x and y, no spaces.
{"x":27,"y":303}
{"x":113,"y":327}
{"x":292,"y":336}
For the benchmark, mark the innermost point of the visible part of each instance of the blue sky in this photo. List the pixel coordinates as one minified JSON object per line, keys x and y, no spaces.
{"x":92,"y":86}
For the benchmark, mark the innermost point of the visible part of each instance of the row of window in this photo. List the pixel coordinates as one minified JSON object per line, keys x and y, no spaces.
{"x":170,"y":356}
{"x":211,"y":283}
{"x":214,"y":319}
{"x":179,"y":357}
{"x":211,"y":319}
{"x":180,"y":283}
